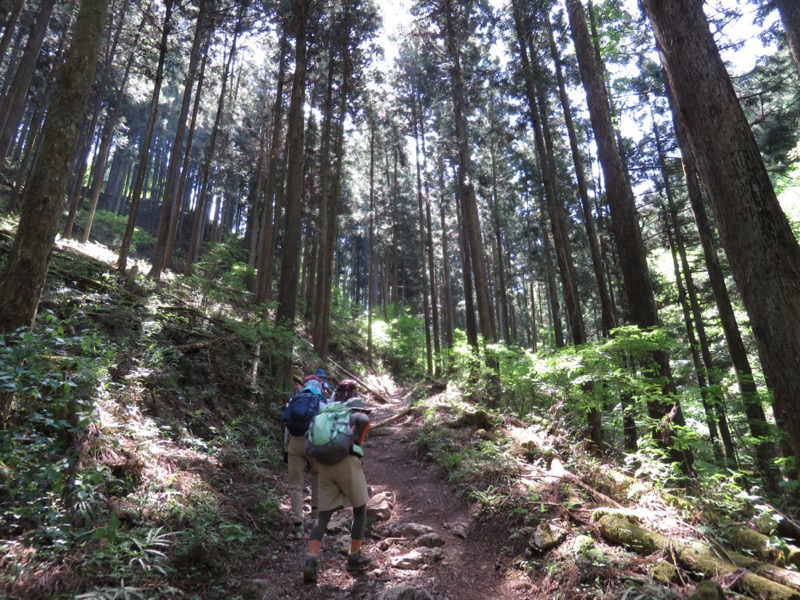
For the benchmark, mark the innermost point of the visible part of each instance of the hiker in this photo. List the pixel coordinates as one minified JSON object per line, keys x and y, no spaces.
{"x":316,"y":384}
{"x":297,"y":415}
{"x":340,"y":482}
{"x":323,"y":377}
{"x":345,"y":390}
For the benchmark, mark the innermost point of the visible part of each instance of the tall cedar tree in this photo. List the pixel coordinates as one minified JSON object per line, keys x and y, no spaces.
{"x":762,"y":250}
{"x":627,"y":232}
{"x":290,"y":257}
{"x":23,"y":279}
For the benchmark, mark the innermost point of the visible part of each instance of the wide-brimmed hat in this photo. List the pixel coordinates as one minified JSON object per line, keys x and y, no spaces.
{"x":358,"y":404}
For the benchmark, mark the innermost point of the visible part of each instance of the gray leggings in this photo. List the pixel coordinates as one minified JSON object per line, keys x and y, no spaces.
{"x":356,"y":532}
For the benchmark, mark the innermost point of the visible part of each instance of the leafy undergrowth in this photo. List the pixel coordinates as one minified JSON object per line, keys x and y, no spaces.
{"x":534,"y":484}
{"x":141,"y":453}
{"x":141,"y":456}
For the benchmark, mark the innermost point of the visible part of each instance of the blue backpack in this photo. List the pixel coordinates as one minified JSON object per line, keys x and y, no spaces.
{"x":300,"y":411}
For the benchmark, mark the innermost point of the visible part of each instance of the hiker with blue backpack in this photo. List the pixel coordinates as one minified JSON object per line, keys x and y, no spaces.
{"x":334,"y":440}
{"x":298,"y":413}
{"x":323,"y":377}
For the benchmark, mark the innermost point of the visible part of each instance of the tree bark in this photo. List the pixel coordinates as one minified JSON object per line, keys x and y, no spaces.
{"x":14,"y":99}
{"x":23,"y":278}
{"x":789,"y":11}
{"x":472,"y":222}
{"x":206,"y":181}
{"x":627,"y":232}
{"x":754,"y":410}
{"x":448,"y":326}
{"x":267,"y":236}
{"x":105,"y":142}
{"x":9,"y":26}
{"x":138,"y":186}
{"x":288,"y":284}
{"x":415,"y":119}
{"x":762,"y":250}
{"x":160,"y":259}
{"x":609,"y":318}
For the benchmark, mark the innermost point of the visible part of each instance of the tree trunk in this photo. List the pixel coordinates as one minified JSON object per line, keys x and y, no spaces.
{"x":763,"y":252}
{"x":106,"y":140}
{"x":448,"y":326}
{"x":187,"y":155}
{"x":754,"y":410}
{"x":82,"y":163}
{"x":503,"y":314}
{"x":9,"y":27}
{"x":702,"y":380}
{"x":288,"y":284}
{"x":471,"y":322}
{"x":138,"y":186}
{"x":372,"y":293}
{"x":789,"y":10}
{"x":23,"y":278}
{"x":160,"y":259}
{"x":14,"y":99}
{"x":550,"y":275}
{"x":326,"y":175}
{"x":609,"y":319}
{"x":627,"y":232}
{"x":437,"y":348}
{"x":472,"y":222}
{"x":266,"y":254}
{"x":415,"y":119}
{"x":206,"y":182}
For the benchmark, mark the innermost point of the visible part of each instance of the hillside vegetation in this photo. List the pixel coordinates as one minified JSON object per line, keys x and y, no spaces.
{"x":141,"y":456}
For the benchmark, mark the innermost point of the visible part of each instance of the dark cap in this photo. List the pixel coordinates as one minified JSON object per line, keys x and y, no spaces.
{"x":358,"y":404}
{"x":321,"y":373}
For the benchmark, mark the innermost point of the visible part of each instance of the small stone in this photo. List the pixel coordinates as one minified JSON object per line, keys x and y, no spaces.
{"x":407,"y":592}
{"x":430,"y":540}
{"x":547,"y":537}
{"x":413,"y":560}
{"x":460,"y":530}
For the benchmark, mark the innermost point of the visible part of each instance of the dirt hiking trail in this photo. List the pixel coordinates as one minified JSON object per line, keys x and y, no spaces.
{"x":469,"y":565}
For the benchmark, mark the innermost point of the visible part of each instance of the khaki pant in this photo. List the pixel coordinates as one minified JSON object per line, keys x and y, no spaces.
{"x":341,"y":482}
{"x":297,"y":470}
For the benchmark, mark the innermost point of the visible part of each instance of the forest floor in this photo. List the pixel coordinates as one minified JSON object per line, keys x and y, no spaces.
{"x":471,"y":565}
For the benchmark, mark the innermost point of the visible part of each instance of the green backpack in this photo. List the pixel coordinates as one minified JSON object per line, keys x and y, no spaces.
{"x":330,"y":435}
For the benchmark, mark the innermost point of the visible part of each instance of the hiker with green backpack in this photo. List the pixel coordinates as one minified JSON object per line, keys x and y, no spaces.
{"x":334,"y":440}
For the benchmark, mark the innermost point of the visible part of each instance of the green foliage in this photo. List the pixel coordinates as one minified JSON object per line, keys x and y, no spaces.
{"x":44,"y":377}
{"x":222,"y":273}
{"x":108,"y":228}
{"x":401,"y":341}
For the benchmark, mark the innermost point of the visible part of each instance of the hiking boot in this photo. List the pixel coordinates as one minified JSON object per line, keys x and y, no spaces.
{"x":358,"y":561}
{"x":297,"y":528}
{"x":310,"y":569}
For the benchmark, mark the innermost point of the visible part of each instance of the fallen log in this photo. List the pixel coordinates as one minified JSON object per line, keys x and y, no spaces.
{"x":701,"y":558}
{"x":360,"y":382}
{"x":762,"y":546}
{"x":393,"y":418}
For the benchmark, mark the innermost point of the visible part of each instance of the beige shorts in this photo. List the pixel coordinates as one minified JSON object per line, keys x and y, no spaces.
{"x":342,"y":482}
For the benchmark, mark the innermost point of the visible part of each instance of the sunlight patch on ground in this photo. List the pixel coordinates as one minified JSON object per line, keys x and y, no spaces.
{"x":382,"y":382}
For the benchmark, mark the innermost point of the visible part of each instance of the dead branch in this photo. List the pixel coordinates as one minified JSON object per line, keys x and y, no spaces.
{"x":360,"y":382}
{"x":394,"y":418}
